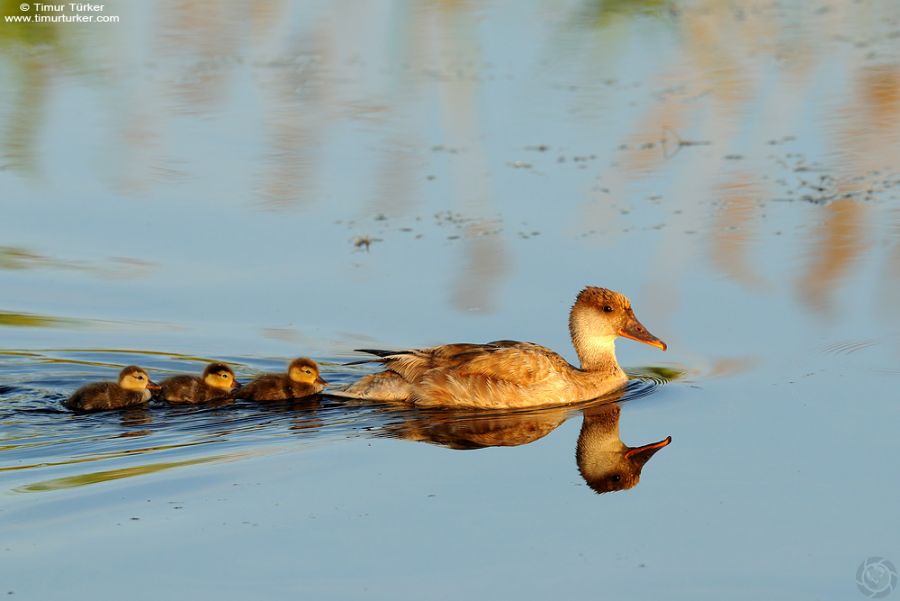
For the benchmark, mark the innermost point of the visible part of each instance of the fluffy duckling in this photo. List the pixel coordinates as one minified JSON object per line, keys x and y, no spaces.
{"x":510,"y":374}
{"x":133,"y":389}
{"x":217,"y":382}
{"x":301,"y":380}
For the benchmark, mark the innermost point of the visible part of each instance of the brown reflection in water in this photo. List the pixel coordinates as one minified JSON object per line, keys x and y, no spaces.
{"x":840,"y":242}
{"x":23,"y":127}
{"x":604,"y":461}
{"x":207,"y":33}
{"x":135,"y":417}
{"x":468,"y":430}
{"x":733,"y":229}
{"x":486,"y":264}
{"x":307,"y":415}
{"x":294,"y":95}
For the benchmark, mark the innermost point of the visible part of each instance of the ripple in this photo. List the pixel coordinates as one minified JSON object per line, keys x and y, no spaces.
{"x":848,"y":347}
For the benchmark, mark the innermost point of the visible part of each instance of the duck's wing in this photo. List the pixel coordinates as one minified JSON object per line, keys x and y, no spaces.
{"x":521,"y":363}
{"x":412,"y":364}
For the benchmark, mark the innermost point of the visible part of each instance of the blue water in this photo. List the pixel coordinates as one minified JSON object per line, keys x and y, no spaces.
{"x":252,"y":183}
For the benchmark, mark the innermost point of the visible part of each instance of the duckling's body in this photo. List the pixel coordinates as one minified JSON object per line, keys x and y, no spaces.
{"x":133,"y":389}
{"x":216,"y":383}
{"x":510,"y":374}
{"x":301,"y":380}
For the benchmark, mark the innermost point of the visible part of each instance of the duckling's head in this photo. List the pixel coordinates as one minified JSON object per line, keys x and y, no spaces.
{"x":600,"y":315}
{"x":305,"y":371}
{"x":136,"y":379}
{"x":219,"y":375}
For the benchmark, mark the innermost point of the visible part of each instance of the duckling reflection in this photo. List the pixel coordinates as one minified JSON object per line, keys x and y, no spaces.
{"x":605,"y":462}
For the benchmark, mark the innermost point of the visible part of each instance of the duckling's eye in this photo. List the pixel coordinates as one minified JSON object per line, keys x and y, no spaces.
{"x":139,"y":376}
{"x":607,"y":309}
{"x":616,"y":478}
{"x":306,"y":371}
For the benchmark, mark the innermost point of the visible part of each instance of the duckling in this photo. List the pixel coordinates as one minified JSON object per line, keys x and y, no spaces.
{"x":605,"y":462}
{"x":302,"y":379}
{"x":217,"y":382}
{"x":132,"y":389}
{"x":510,"y":374}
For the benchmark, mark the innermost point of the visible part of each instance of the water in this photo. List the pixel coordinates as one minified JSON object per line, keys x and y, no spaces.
{"x":216,"y":182}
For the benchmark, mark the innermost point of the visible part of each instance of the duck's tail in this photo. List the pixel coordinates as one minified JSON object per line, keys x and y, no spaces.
{"x":379,"y":354}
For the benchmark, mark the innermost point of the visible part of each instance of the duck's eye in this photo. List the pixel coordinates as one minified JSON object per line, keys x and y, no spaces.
{"x":607,"y":309}
{"x":616,"y":478}
{"x":139,"y":376}
{"x":307,"y":372}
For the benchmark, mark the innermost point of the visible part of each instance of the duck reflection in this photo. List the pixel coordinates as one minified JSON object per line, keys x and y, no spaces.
{"x":604,"y":461}
{"x":467,"y":430}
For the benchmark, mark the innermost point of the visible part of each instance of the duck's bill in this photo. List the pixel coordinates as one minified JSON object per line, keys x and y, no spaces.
{"x":321,"y":381}
{"x":643,"y":454}
{"x":235,"y":384}
{"x":636,"y":331}
{"x":153,"y":386}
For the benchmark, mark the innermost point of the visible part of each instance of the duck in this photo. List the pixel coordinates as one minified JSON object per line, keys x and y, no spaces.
{"x":134,"y":388}
{"x":507,"y":374}
{"x":217,"y":382}
{"x":301,"y":380}
{"x":605,"y":462}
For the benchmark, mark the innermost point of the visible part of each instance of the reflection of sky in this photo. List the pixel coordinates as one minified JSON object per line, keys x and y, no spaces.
{"x":201,"y":150}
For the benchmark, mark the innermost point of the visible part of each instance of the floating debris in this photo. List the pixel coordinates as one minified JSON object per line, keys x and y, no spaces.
{"x":364,"y":242}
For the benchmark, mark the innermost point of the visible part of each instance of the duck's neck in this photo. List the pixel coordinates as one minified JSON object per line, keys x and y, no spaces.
{"x":596,"y":347}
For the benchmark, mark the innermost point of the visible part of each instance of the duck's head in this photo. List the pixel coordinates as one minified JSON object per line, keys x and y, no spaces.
{"x":134,"y":378}
{"x":305,"y":371}
{"x":600,"y":315}
{"x":606,"y":463}
{"x":219,"y":375}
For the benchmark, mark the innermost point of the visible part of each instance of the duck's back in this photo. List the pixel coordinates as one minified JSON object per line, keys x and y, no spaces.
{"x":189,"y":389}
{"x":101,"y":396}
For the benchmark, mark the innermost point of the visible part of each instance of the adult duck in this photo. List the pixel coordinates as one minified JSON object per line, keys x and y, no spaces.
{"x":510,"y":374}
